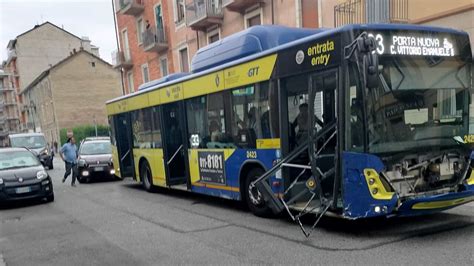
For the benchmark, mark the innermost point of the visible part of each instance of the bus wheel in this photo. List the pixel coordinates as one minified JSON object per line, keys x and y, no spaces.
{"x":145,"y":176}
{"x":253,"y":197}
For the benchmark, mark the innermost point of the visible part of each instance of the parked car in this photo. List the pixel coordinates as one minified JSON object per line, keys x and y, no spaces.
{"x":95,"y":159}
{"x":36,"y":143}
{"x":22,"y":176}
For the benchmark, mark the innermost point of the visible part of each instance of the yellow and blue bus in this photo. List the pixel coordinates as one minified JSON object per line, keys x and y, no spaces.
{"x":358,"y":121}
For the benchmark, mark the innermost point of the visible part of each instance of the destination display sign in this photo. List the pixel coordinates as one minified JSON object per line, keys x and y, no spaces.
{"x":415,"y":44}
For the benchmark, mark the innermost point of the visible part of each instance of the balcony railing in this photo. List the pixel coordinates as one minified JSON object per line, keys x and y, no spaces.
{"x":120,"y":59}
{"x":240,"y":5}
{"x":154,"y":40}
{"x":6,"y":88}
{"x":130,"y":7}
{"x":201,"y":14}
{"x":371,"y":11}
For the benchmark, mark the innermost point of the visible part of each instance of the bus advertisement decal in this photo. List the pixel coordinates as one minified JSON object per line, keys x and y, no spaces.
{"x":211,"y":167}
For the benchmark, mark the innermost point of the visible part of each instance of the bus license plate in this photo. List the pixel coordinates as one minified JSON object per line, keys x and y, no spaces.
{"x":22,"y":190}
{"x":99,"y":169}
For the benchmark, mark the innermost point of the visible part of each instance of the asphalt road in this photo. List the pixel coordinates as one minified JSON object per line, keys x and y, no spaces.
{"x":118,"y":223}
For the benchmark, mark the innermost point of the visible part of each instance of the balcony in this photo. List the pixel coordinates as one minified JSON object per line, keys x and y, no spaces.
{"x":130,"y":7}
{"x":7,"y":102}
{"x":240,"y":5}
{"x":6,"y":88}
{"x":154,"y":40}
{"x":121,"y":60}
{"x":201,"y":14}
{"x":371,"y":11}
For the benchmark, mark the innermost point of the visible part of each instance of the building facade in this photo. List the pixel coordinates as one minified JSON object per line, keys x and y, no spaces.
{"x":9,"y":122}
{"x":34,"y":51}
{"x":457,"y":14}
{"x":72,"y":92}
{"x":160,"y":37}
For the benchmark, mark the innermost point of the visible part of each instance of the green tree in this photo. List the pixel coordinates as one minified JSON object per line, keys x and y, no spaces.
{"x":84,"y":131}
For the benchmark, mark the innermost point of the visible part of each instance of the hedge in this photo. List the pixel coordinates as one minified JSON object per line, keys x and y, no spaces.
{"x":84,"y":131}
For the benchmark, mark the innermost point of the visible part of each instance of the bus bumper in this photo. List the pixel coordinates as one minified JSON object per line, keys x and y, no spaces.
{"x":437,"y":203}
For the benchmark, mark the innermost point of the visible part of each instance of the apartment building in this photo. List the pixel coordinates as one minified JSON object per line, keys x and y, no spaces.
{"x":70,"y":93}
{"x":36,"y":50}
{"x":457,"y":14}
{"x":9,"y":122}
{"x":159,"y":37}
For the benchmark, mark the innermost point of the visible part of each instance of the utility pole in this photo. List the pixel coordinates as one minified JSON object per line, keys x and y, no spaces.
{"x":95,"y":125}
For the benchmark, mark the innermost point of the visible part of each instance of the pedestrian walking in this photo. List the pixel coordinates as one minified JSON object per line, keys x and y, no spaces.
{"x":69,"y":155}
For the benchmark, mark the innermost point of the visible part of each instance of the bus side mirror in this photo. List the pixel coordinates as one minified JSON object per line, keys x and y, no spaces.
{"x":371,"y":70}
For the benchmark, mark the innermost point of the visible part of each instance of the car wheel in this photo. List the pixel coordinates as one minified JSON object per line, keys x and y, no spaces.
{"x":81,"y":180}
{"x":253,"y":197}
{"x":146,"y":177}
{"x":50,"y":198}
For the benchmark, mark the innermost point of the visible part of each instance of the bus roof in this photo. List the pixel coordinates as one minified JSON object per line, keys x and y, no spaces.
{"x":272,"y":44}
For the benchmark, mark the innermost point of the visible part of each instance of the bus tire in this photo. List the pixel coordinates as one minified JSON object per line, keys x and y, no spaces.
{"x":146,"y":177}
{"x":253,"y":197}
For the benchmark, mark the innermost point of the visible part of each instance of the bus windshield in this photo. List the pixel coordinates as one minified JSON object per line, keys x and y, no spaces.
{"x":420,"y":102}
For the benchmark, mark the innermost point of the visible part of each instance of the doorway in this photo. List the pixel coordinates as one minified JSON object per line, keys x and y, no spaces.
{"x":123,"y":131}
{"x":174,"y":144}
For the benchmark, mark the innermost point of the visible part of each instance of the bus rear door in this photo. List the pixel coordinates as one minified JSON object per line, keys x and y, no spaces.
{"x":123,"y":129}
{"x":174,"y":143}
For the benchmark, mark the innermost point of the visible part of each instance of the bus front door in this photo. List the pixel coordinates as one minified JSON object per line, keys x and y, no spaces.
{"x":123,"y":133}
{"x":174,"y":144}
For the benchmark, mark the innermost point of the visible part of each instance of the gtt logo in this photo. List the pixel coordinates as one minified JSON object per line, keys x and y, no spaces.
{"x":253,"y":71}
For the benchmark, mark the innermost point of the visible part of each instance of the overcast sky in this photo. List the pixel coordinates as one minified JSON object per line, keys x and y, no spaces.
{"x":92,"y":18}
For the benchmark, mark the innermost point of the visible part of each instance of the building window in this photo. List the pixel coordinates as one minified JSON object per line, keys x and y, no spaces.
{"x":213,"y":36}
{"x":140,"y":30}
{"x":164,"y":66}
{"x":253,"y":18}
{"x":179,"y":10}
{"x":130,"y":81}
{"x":183,"y":60}
{"x":145,"y":73}
{"x":160,"y":28}
{"x":126,"y":50}
{"x":131,"y":87}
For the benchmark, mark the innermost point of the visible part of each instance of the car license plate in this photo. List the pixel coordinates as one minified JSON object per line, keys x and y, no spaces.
{"x":22,"y":190}
{"x":99,"y":169}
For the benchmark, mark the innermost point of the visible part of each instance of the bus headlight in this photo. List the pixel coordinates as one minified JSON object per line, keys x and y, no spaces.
{"x":1,"y":181}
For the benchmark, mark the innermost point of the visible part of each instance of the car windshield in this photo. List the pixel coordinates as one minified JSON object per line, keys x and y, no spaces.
{"x":30,"y":142}
{"x":420,"y":102}
{"x":17,"y":159}
{"x":96,"y":147}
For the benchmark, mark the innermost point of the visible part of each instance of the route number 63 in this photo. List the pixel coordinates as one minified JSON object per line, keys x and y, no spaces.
{"x":378,"y":42}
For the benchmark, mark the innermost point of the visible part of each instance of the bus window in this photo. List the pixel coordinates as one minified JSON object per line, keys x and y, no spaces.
{"x":156,"y":128}
{"x":297,"y":95}
{"x":141,"y":127}
{"x":206,"y":122}
{"x":112,"y":131}
{"x":251,"y":115}
{"x":355,"y":130}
